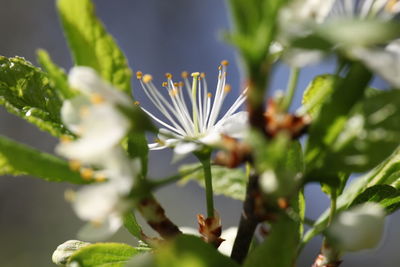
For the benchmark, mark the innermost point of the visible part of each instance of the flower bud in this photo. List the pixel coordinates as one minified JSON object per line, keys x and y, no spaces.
{"x":65,"y":250}
{"x":358,"y":228}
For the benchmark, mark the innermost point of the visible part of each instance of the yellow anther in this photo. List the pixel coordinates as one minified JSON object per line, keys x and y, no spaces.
{"x":225,"y":63}
{"x":69,"y":195}
{"x":209,"y":95}
{"x":99,"y":177}
{"x":74,"y":165}
{"x":87,"y":173}
{"x":195,"y":74}
{"x":202,"y":75}
{"x":390,"y":5}
{"x":168,"y":75}
{"x":164,"y":84}
{"x":219,"y":67}
{"x":185,"y":74}
{"x":96,"y":98}
{"x":65,"y":139}
{"x":136,"y":103}
{"x":147,"y":78}
{"x":173,"y":92}
{"x":139,"y":75}
{"x":227,"y":88}
{"x":180,"y":84}
{"x":96,"y":223}
{"x":84,"y":111}
{"x":176,"y":84}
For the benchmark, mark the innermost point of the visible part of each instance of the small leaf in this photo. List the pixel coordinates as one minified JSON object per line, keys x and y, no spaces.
{"x":187,"y":251}
{"x":229,"y":182}
{"x":386,"y":195}
{"x":132,"y":225}
{"x":19,"y":159}
{"x":56,"y":75}
{"x":26,"y":92}
{"x":317,"y":93}
{"x":103,"y":254}
{"x":91,"y":45}
{"x":280,"y":248}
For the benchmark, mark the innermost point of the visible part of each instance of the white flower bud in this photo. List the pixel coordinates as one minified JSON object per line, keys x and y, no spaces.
{"x":278,"y":185}
{"x":358,"y":228}
{"x":65,"y":250}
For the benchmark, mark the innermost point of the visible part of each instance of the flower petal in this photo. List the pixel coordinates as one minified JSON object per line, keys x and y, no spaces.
{"x":94,"y":233}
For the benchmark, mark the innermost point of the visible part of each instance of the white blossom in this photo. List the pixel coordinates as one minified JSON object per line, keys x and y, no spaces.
{"x":95,"y":118}
{"x":188,"y":126}
{"x":358,"y":228}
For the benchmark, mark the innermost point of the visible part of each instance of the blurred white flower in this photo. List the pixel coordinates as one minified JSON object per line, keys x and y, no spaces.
{"x":64,"y":251}
{"x":189,"y":126}
{"x":358,"y":228}
{"x":94,"y":117}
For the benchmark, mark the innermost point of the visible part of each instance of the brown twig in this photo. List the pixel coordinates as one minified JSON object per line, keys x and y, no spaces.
{"x":155,"y":216}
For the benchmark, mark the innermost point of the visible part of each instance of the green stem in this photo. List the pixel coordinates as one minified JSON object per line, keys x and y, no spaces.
{"x":174,"y":178}
{"x":291,"y":88}
{"x":333,"y":206}
{"x":206,"y":163}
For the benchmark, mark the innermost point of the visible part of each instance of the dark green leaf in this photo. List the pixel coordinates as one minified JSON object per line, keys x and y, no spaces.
{"x":228,"y":182}
{"x":386,"y":195}
{"x":187,"y":251}
{"x":19,"y":159}
{"x":26,"y":92}
{"x":56,"y":75}
{"x":91,"y":45}
{"x":103,"y":254}
{"x":280,"y":248}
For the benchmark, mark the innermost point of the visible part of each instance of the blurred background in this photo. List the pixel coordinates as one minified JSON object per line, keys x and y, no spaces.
{"x":157,"y":36}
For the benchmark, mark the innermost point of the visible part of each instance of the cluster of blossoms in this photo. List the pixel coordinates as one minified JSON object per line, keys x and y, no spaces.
{"x":189,"y":126}
{"x":94,"y":117}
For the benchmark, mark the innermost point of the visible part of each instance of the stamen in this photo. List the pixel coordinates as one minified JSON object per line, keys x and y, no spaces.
{"x":65,"y":139}
{"x":185,"y":74}
{"x":74,"y":165}
{"x":147,"y":78}
{"x":168,"y":75}
{"x":202,"y":75}
{"x":87,"y":173}
{"x":97,"y":99}
{"x":139,"y":75}
{"x":390,"y":5}
{"x":209,"y":95}
{"x":99,"y":177}
{"x":136,"y":103}
{"x":164,"y":84}
{"x":173,"y":92}
{"x":227,"y":88}
{"x":225,"y":63}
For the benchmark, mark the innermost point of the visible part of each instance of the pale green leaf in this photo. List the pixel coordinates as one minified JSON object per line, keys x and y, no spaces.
{"x":19,"y":159}
{"x":26,"y":92}
{"x":91,"y":45}
{"x":56,"y":75}
{"x":103,"y":255}
{"x":229,"y":182}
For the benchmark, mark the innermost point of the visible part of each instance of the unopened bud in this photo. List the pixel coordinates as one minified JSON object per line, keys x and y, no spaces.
{"x":65,"y":251}
{"x":358,"y":228}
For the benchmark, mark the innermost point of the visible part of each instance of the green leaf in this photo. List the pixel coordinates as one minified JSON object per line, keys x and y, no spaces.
{"x":56,"y":75}
{"x":331,"y":120}
{"x":187,"y":251}
{"x":103,"y":254}
{"x":317,"y":93}
{"x":91,"y":45}
{"x":229,"y":182}
{"x":280,"y":248}
{"x":26,"y":92}
{"x":388,"y":172}
{"x":19,"y":159}
{"x":386,"y":195}
{"x":132,"y":225}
